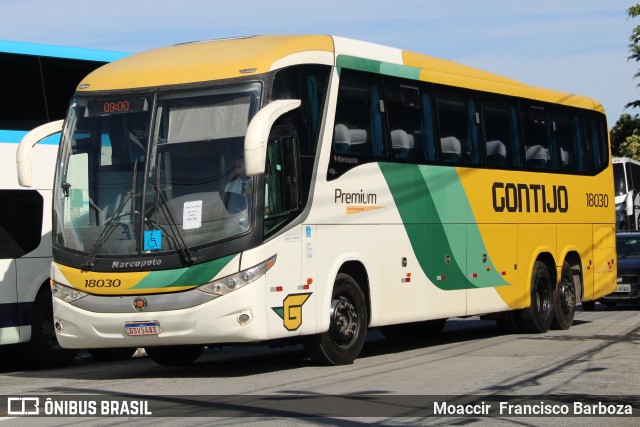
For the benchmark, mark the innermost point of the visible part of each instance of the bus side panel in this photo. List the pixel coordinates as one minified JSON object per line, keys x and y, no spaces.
{"x":578,"y":238}
{"x":492,"y":255}
{"x":446,"y":266}
{"x":605,"y":264}
{"x":533,"y":239}
{"x":403,"y":285}
{"x":9,"y":308}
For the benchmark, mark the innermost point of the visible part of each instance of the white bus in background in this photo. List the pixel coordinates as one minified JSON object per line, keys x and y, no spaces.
{"x":626,"y":176}
{"x":36,"y":86}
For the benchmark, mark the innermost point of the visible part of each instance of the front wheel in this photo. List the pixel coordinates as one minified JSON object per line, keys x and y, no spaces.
{"x":564,"y":305}
{"x":538,"y":317}
{"x":44,"y":351}
{"x":180,"y":355}
{"x":342,"y":343}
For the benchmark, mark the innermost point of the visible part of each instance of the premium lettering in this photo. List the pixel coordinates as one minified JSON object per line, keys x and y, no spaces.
{"x":361,"y":198}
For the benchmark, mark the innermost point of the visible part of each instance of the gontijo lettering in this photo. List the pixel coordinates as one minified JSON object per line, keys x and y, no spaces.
{"x":513,"y":197}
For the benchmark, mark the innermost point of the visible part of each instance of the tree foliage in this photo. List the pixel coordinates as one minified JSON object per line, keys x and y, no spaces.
{"x":634,"y":47}
{"x":623,"y":129}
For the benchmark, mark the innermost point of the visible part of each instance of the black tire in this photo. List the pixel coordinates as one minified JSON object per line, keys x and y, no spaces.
{"x":43,"y":350}
{"x":414,"y":331}
{"x":564,"y":300}
{"x":342,"y":343}
{"x":538,"y":317}
{"x":112,"y":354}
{"x":179,"y":355}
{"x":588,"y":305}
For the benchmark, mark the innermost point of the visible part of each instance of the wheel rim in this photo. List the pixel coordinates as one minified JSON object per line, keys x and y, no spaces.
{"x":344,"y":322}
{"x":542,"y":295}
{"x":567,"y":298}
{"x":46,"y":328}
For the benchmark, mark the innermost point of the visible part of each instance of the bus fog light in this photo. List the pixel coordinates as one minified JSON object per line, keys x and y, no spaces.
{"x":244,"y":318}
{"x":58,"y":326}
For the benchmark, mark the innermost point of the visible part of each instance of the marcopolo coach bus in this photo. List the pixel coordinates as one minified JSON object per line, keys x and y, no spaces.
{"x":37,"y":83}
{"x":312,"y":187}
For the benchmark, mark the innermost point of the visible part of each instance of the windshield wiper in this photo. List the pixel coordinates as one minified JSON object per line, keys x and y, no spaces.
{"x":112,"y":223}
{"x":162,"y":203}
{"x":110,"y":226}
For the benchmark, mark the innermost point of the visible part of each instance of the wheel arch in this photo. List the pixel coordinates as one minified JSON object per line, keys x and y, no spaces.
{"x":358,"y":271}
{"x":574,"y":260}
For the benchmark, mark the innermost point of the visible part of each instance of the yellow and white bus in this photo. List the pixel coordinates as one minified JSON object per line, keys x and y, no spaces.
{"x":312,"y":187}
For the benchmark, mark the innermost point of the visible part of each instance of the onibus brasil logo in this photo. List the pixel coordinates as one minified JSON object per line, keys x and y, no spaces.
{"x":291,"y":310}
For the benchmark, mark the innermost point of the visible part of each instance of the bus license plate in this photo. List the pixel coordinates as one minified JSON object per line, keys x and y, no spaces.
{"x":142,"y":328}
{"x":623,"y":288}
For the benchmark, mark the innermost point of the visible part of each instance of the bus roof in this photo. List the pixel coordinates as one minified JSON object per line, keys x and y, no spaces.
{"x":24,"y":48}
{"x":229,"y":58}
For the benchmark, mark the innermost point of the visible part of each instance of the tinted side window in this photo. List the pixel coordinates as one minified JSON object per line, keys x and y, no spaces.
{"x":597,"y":141}
{"x":359,"y":126}
{"x":569,"y":137}
{"x":23,"y":102}
{"x":20,"y":222}
{"x":501,"y":128}
{"x":536,"y":126}
{"x":458,"y":125}
{"x":406,"y":113}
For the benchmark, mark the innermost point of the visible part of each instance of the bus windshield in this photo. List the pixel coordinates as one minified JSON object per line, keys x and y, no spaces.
{"x":154,"y":173}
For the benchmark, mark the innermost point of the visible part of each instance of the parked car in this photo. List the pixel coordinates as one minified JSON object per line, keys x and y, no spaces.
{"x":628,"y":289}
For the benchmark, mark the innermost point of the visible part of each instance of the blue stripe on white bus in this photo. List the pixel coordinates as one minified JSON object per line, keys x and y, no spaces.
{"x":60,"y":51}
{"x":14,"y":137}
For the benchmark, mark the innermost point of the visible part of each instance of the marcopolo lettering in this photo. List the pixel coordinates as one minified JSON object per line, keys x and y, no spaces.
{"x":514,"y":197}
{"x":136,"y":264}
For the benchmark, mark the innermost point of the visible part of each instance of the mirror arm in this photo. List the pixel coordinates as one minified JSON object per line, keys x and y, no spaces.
{"x":255,"y":142}
{"x":25,"y":147}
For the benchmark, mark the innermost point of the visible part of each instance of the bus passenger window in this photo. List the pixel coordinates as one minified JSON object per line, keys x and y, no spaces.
{"x":501,"y":131}
{"x":536,"y":129}
{"x":458,"y":124}
{"x":405,"y":121}
{"x":569,"y":135}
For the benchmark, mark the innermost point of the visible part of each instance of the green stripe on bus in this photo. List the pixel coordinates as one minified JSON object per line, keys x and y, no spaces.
{"x":439,"y":222}
{"x":377,"y":67}
{"x":190,"y":276}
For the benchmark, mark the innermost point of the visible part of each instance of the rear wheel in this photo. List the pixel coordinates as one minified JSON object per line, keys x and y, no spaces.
{"x":180,"y":355}
{"x":538,"y":317}
{"x":44,"y":351}
{"x":111,"y":354}
{"x":564,"y":303}
{"x":342,"y":343}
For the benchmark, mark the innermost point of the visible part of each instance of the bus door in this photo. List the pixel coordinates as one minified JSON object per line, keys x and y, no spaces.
{"x":290,"y":283}
{"x":9,"y":313}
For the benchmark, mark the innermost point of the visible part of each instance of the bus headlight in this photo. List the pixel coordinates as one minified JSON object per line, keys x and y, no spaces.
{"x":66,"y":293}
{"x":236,"y":281}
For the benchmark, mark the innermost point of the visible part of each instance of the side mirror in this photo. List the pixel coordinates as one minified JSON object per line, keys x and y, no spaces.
{"x":23,"y":155}
{"x":255,"y":142}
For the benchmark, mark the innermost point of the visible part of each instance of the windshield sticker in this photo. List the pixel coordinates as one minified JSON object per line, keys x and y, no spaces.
{"x":152,"y":240}
{"x":192,"y":215}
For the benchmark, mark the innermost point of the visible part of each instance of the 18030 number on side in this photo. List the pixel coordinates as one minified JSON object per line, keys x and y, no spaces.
{"x":597,"y":200}
{"x":102,"y":283}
